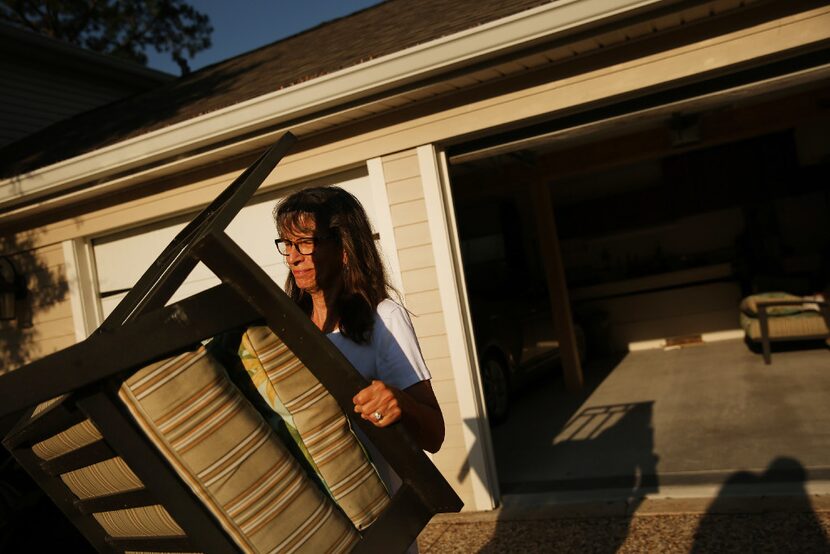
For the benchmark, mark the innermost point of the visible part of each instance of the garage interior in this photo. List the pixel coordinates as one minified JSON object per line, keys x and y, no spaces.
{"x":665,"y":218}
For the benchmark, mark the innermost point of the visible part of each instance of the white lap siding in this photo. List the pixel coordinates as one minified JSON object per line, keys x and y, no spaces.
{"x":422,"y":297}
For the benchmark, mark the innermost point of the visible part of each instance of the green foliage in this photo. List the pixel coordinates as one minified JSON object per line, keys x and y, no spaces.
{"x":123,"y":28}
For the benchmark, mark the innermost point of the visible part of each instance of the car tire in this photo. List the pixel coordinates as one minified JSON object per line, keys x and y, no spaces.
{"x":496,"y":388}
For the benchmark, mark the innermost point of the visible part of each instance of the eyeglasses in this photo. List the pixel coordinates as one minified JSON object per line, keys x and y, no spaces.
{"x":303,"y":246}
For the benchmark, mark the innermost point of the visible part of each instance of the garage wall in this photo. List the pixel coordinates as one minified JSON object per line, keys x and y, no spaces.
{"x":423,"y":295}
{"x":45,"y":326}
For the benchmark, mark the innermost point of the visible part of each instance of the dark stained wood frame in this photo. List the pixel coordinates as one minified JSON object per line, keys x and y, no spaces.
{"x":142,"y":330}
{"x":763,"y":321}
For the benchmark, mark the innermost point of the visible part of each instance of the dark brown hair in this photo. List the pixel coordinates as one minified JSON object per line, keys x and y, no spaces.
{"x":338,"y":215}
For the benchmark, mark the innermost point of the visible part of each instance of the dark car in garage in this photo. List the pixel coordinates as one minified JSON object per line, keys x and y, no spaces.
{"x":516,"y":344}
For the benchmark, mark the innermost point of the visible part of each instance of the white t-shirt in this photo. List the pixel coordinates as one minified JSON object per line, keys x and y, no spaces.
{"x":392,"y":356}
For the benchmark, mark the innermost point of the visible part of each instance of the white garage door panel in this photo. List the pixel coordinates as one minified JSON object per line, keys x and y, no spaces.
{"x":121,"y":260}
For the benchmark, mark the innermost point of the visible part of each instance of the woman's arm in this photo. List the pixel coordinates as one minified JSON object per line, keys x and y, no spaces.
{"x":416,"y":407}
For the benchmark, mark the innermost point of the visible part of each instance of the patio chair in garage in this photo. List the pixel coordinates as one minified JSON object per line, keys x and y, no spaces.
{"x":778,"y":316}
{"x":147,"y":444}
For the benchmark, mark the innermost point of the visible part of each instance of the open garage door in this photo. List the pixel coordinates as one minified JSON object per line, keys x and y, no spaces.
{"x":666,"y":217}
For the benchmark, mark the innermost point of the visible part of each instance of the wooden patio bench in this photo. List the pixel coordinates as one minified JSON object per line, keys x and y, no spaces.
{"x":146,"y":444}
{"x":778,"y":316}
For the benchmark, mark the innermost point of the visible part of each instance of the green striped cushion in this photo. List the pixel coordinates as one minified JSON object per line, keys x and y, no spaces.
{"x":315,"y":419}
{"x":231,"y":459}
{"x":749,"y":305}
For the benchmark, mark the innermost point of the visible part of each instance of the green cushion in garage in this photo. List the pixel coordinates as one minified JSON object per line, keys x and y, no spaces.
{"x":749,"y":305}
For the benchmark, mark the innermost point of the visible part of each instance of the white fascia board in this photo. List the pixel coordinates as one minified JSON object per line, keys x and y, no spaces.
{"x":304,"y":98}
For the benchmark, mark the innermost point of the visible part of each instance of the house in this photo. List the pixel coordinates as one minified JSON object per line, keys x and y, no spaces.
{"x":650,"y":149}
{"x":46,"y":80}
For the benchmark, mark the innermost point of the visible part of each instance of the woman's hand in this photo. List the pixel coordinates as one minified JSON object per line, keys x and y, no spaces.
{"x":416,"y":407}
{"x":378,"y":403}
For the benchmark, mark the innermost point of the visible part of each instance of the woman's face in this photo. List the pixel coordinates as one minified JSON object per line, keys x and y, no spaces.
{"x":319,"y":270}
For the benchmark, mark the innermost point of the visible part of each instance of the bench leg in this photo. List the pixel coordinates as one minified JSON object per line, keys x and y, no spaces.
{"x":825,"y":312}
{"x":765,"y":342}
{"x":767,"y":351}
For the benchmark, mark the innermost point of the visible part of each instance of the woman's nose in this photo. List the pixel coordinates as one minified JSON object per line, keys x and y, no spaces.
{"x":294,"y":255}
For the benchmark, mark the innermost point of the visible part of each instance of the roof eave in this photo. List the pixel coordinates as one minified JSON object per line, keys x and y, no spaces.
{"x":267,"y":111}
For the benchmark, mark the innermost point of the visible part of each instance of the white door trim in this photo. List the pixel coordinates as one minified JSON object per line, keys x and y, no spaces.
{"x":476,"y":431}
{"x":83,"y":287}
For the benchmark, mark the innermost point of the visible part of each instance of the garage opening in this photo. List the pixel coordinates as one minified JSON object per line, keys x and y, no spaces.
{"x":664,"y":222}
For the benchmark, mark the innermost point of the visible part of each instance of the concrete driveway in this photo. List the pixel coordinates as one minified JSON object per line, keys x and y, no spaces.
{"x":701,"y":416}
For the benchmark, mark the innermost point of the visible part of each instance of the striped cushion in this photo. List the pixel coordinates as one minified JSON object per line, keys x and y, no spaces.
{"x":231,"y":459}
{"x":317,"y":422}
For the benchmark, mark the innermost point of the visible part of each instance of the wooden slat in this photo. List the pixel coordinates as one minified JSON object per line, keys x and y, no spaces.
{"x":151,"y":544}
{"x":119,"y":501}
{"x":92,"y":453}
{"x":57,"y":418}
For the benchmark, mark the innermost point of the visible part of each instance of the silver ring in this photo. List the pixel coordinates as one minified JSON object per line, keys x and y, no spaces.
{"x":378,"y":416}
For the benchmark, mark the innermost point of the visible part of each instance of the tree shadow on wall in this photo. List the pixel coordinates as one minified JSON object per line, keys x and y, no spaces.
{"x":46,"y":287}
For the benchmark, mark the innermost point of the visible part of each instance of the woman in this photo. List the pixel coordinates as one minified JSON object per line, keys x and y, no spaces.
{"x":337,"y":278}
